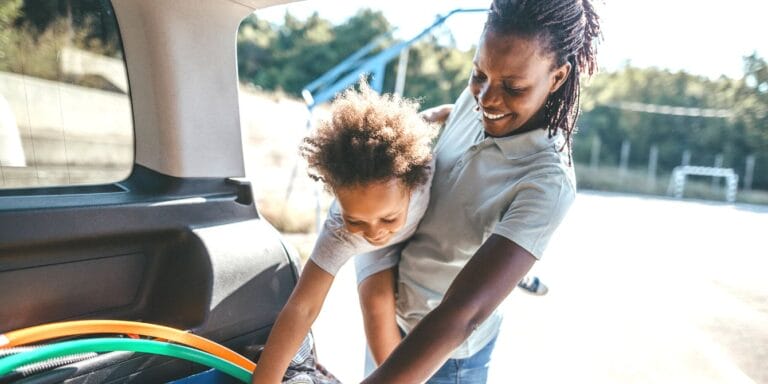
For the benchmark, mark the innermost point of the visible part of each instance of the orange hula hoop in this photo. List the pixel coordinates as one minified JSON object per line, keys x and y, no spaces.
{"x":85,"y":327}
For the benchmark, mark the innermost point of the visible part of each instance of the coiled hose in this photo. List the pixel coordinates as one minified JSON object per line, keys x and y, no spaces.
{"x":85,"y":327}
{"x":41,"y":366}
{"x":65,"y":348}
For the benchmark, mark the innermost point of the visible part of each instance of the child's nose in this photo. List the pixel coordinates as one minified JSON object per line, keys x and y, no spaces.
{"x":375,"y":231}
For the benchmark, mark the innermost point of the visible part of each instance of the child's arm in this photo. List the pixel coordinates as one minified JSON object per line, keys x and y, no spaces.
{"x":377,"y":301}
{"x":437,"y":114}
{"x":293,"y":324}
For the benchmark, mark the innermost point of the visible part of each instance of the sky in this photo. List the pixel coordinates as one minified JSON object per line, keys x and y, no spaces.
{"x":702,"y":37}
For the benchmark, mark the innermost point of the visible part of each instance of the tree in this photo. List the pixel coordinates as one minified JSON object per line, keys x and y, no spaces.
{"x":436,"y":74}
{"x":735,"y":137}
{"x":291,"y":55}
{"x":91,"y":23}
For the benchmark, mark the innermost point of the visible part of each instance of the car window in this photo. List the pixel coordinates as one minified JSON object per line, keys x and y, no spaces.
{"x":65,"y":115}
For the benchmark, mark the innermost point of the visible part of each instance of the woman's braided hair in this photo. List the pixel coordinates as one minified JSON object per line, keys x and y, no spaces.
{"x":569,"y":29}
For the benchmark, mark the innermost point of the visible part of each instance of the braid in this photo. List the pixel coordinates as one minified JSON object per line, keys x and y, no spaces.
{"x":569,"y":29}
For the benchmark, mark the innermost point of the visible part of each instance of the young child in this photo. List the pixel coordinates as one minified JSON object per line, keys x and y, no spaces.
{"x":374,"y":155}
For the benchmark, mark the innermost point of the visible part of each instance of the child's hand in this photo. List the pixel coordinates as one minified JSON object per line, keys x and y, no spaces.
{"x":437,"y":114}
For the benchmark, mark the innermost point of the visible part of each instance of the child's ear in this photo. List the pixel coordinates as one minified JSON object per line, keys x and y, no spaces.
{"x":559,"y":76}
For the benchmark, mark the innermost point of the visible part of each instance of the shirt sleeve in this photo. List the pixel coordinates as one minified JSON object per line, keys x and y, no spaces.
{"x":536,"y":211}
{"x":370,"y":263}
{"x":333,"y":246}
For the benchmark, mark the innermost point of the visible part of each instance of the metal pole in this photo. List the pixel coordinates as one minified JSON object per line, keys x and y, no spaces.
{"x":732,"y":184}
{"x":653,"y":161}
{"x":595,"y":157}
{"x":718,"y":164}
{"x":624,"y":162}
{"x":686,"y":157}
{"x":377,"y":78}
{"x":749,"y":172}
{"x":402,"y":68}
{"x":679,"y":177}
{"x":295,"y":170}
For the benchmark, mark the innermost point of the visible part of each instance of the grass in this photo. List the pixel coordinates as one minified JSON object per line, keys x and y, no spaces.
{"x":636,"y":181}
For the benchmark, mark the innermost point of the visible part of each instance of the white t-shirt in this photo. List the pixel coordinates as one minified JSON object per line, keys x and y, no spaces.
{"x":335,"y":245}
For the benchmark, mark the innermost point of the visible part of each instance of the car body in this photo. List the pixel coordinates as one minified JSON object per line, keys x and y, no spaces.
{"x":179,"y":241}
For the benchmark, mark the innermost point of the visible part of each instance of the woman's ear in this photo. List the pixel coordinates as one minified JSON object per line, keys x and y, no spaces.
{"x":559,"y":76}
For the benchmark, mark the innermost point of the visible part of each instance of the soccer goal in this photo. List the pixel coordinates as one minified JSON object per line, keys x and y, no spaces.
{"x":677,"y":182}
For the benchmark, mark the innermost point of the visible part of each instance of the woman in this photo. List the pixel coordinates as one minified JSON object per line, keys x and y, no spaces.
{"x":503,"y":182}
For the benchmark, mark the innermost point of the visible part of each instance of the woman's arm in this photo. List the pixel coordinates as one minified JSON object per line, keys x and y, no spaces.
{"x":293,"y":324}
{"x":483,"y":283}
{"x":377,"y":301}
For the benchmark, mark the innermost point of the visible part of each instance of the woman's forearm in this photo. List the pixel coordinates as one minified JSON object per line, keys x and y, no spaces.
{"x":483,"y":283}
{"x":427,"y":347}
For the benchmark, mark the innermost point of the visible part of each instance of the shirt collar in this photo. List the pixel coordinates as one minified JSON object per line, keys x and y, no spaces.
{"x":528,"y":143}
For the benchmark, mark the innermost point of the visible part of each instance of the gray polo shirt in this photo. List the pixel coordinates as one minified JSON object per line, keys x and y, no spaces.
{"x":519,"y":187}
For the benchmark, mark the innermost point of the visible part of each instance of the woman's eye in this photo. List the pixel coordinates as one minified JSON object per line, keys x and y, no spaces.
{"x":513,"y":90}
{"x":353,"y":223}
{"x":388,"y":221}
{"x":477,"y":77}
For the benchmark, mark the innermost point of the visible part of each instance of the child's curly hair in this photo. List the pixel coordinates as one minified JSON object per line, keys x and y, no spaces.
{"x":370,"y":138}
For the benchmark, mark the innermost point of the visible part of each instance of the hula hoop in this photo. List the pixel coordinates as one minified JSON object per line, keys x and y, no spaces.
{"x":10,"y":363}
{"x":85,"y":327}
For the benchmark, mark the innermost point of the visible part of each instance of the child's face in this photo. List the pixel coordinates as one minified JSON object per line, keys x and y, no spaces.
{"x":375,"y":210}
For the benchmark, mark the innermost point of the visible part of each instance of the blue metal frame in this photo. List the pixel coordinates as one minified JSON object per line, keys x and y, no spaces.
{"x":329,"y":84}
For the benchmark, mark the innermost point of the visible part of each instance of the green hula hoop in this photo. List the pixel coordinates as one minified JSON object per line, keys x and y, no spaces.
{"x":10,"y":363}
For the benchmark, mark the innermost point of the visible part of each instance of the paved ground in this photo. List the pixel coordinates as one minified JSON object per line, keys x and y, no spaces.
{"x":642,"y":290}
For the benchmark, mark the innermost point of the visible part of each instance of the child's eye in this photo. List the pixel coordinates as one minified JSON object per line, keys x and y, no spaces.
{"x":389,"y":221}
{"x":353,"y":223}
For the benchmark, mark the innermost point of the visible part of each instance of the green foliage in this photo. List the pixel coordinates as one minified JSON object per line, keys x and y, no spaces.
{"x":289,"y":56}
{"x":33,"y":33}
{"x":10,"y":10}
{"x":745,"y":132}
{"x":91,"y":20}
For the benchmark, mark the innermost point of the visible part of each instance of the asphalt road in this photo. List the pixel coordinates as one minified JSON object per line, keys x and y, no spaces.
{"x":642,"y":290}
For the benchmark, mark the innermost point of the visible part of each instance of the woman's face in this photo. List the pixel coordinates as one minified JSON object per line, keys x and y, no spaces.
{"x":511,"y":80}
{"x":375,"y":210}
